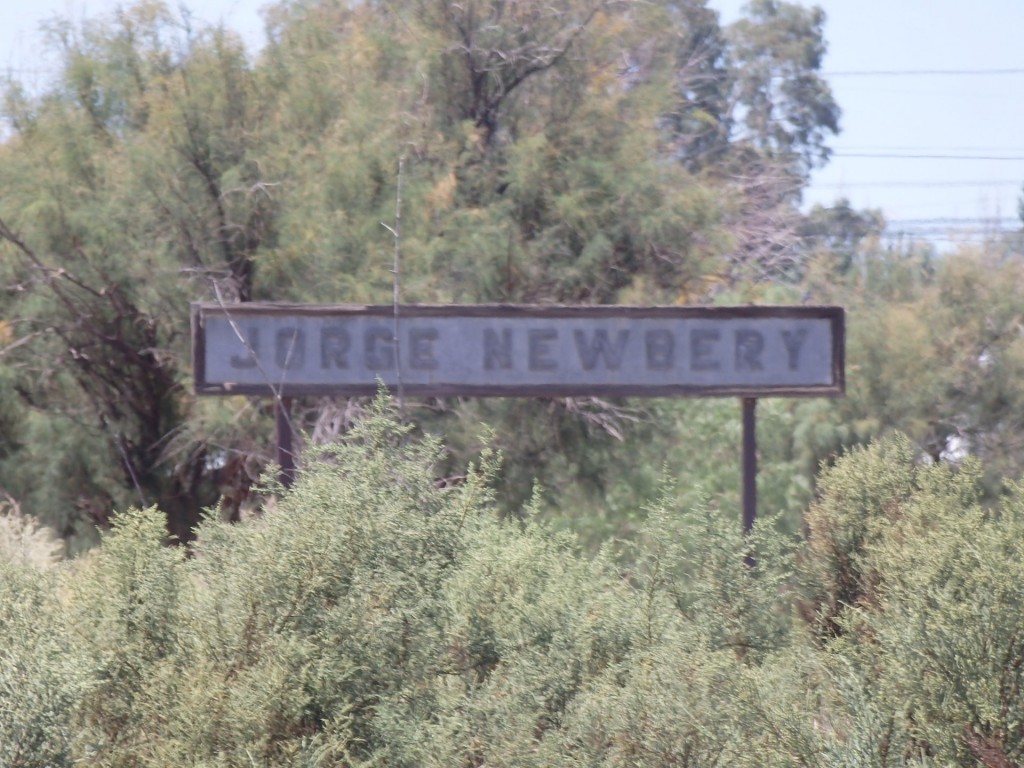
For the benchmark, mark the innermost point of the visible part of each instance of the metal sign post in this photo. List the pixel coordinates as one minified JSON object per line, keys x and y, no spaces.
{"x":749,"y":463}
{"x":288,"y":350}
{"x":283,"y":427}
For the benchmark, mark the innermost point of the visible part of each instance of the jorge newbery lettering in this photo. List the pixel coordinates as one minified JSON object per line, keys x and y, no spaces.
{"x":531,"y":349}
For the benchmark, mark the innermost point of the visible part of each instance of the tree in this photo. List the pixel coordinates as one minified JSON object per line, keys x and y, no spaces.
{"x":932,"y":353}
{"x":549,"y":153}
{"x":490,"y":50}
{"x":838,"y":233}
{"x":87,"y":236}
{"x":767,"y":112}
{"x":790,"y":110}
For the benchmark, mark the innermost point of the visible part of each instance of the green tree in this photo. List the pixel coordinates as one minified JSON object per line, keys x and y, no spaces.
{"x":781,"y":113}
{"x":548,"y":153}
{"x":932,"y":352}
{"x":837,"y":233}
{"x":119,"y":187}
{"x":790,"y":111}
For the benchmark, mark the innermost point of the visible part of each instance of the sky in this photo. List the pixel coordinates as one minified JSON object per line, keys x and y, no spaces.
{"x":932,"y":94}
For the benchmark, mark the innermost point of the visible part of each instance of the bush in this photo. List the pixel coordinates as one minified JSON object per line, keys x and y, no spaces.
{"x":924,"y":589}
{"x":374,"y":617}
{"x":43,"y":679}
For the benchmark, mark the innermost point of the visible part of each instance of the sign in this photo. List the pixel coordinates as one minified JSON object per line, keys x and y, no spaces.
{"x":515,"y":350}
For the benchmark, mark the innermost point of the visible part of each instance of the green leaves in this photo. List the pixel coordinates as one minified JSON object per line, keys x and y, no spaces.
{"x":368,"y":613}
{"x":578,"y":152}
{"x":43,"y":676}
{"x":922,"y":585}
{"x":375,"y":617}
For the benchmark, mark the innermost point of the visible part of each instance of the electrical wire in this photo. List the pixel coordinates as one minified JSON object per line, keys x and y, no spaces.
{"x":921,"y":184}
{"x":908,"y":156}
{"x":951,"y":220}
{"x":923,"y":72}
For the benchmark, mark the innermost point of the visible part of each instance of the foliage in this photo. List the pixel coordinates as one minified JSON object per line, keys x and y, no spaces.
{"x":859,"y":501}
{"x":578,"y":152}
{"x":25,"y":541}
{"x":371,"y":616}
{"x":413,"y":605}
{"x":933,"y":351}
{"x":922,"y":593}
{"x":43,"y":677}
{"x":583,"y":152}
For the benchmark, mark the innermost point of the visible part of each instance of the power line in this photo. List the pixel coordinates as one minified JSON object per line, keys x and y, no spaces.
{"x":951,"y":220}
{"x":923,"y":72}
{"x":913,"y":184}
{"x":907,"y":156}
{"x":919,"y":148}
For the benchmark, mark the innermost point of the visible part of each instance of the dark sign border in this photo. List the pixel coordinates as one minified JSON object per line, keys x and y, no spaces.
{"x":834,"y":315}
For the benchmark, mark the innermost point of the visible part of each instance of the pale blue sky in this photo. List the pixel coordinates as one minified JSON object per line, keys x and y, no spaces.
{"x":949,"y":122}
{"x":946,"y":121}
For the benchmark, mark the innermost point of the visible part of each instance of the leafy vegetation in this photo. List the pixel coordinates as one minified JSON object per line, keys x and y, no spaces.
{"x":372,"y":617}
{"x":583,"y":152}
{"x":588,"y":599}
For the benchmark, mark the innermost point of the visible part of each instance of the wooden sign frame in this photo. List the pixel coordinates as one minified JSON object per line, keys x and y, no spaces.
{"x":518,"y":350}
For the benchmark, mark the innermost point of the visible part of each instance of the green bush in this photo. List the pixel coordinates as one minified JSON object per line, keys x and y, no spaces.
{"x":374,"y":617}
{"x":921,"y":596}
{"x":43,"y":677}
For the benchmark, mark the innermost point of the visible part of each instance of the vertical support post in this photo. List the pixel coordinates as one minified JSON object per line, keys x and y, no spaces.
{"x":749,"y":463}
{"x":285,"y":452}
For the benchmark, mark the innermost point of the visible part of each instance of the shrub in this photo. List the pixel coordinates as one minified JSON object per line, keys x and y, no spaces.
{"x":373,"y":617}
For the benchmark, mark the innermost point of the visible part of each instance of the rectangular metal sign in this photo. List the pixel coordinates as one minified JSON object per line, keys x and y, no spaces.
{"x":517,"y":350}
